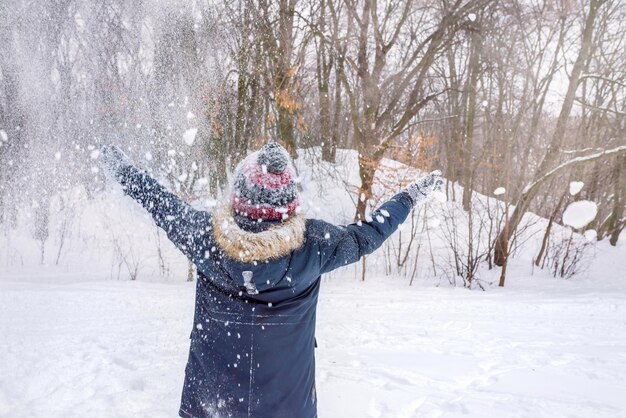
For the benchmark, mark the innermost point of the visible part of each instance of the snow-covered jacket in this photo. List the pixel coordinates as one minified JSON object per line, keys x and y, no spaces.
{"x":253,"y":337}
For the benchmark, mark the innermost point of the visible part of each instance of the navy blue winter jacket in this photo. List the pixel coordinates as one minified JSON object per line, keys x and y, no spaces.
{"x":252,"y":354}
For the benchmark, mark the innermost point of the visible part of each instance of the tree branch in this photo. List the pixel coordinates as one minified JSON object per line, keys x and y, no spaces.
{"x":575,"y":161}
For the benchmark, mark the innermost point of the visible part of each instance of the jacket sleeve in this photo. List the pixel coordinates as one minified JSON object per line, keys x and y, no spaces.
{"x":186,"y":227}
{"x":343,"y":245}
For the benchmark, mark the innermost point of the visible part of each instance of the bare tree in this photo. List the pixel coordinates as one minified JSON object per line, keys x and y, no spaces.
{"x":385,"y":74}
{"x":553,"y":150}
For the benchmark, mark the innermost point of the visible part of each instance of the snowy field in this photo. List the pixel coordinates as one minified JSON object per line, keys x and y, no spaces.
{"x":539,"y":348}
{"x":78,"y":338}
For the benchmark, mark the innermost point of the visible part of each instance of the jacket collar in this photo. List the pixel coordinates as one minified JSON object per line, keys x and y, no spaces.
{"x":242,"y":242}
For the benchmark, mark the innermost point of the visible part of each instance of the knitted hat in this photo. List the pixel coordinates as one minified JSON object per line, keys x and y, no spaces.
{"x":264,"y":185}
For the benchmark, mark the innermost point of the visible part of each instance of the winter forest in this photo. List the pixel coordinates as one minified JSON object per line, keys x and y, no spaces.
{"x":503,"y":295}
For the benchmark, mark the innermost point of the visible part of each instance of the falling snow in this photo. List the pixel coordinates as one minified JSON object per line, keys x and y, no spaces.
{"x":575,"y":187}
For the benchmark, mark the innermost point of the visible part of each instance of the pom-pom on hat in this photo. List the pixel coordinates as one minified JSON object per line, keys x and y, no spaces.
{"x":264,"y":185}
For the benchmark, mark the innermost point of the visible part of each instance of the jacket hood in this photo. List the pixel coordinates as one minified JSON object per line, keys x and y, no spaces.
{"x":274,"y":242}
{"x":259,"y":253}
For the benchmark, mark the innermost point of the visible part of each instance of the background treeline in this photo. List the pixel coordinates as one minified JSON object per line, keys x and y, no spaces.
{"x":497,"y":93}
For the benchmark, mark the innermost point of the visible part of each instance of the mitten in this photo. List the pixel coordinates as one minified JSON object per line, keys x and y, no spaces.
{"x":424,"y":186}
{"x":113,"y":160}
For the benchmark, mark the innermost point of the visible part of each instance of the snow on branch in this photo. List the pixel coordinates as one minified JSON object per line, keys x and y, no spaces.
{"x":574,"y":161}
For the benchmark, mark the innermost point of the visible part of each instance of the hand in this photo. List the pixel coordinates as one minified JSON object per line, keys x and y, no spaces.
{"x":113,"y":160}
{"x":424,"y":186}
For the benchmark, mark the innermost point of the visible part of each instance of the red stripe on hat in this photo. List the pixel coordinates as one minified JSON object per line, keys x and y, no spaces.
{"x":254,"y":174}
{"x":269,"y":213}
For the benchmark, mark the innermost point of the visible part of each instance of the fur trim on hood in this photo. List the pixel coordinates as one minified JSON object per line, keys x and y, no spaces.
{"x":275,"y":242}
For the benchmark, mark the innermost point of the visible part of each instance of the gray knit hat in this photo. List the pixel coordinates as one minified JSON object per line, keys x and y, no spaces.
{"x":264,"y":184}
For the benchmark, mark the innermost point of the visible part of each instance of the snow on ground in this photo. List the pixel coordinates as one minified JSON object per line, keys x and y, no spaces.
{"x":443,"y":353}
{"x":538,"y":348}
{"x":77,"y":338}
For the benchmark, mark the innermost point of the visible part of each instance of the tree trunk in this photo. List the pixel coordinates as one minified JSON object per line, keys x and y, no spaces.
{"x":283,"y":81}
{"x":367,"y":171}
{"x":286,"y":131}
{"x":467,"y":169}
{"x":324,"y":65}
{"x":546,"y":235}
{"x":240,"y":143}
{"x":617,"y":222}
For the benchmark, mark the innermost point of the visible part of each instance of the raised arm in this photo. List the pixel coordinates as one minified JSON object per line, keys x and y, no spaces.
{"x":185,"y":227}
{"x":343,"y":245}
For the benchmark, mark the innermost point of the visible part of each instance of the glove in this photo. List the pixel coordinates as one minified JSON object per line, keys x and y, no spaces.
{"x":113,"y":160}
{"x":424,"y":186}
